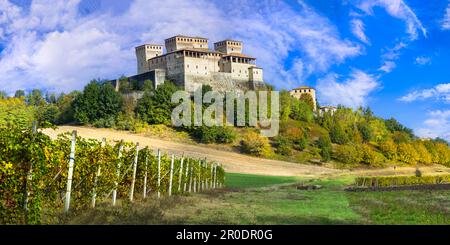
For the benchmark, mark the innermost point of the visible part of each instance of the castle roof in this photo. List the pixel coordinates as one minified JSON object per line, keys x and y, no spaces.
{"x":183,"y":36}
{"x":240,"y":55}
{"x":229,"y":40}
{"x":303,"y":87}
{"x":151,"y":44}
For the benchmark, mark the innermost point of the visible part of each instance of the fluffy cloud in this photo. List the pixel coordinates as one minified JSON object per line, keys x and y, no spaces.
{"x":352,"y":92}
{"x":446,"y":20}
{"x":53,"y":46}
{"x":388,"y":66}
{"x":357,"y":28}
{"x":438,"y":92}
{"x":397,"y":9}
{"x":437,"y":125}
{"x":422,"y":60}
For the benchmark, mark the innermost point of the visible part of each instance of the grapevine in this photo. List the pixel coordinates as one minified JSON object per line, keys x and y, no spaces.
{"x":34,"y":172}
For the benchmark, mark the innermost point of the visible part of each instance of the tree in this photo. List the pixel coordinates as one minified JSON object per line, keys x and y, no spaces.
{"x":14,"y":111}
{"x":98,"y":104}
{"x":285,"y":105}
{"x":307,"y":98}
{"x":324,"y":144}
{"x":156,"y":107}
{"x":19,"y":93}
{"x":393,"y":125}
{"x":3,"y":95}
{"x":301,"y":111}
{"x":407,"y":153}
{"x":65,"y":107}
{"x":389,"y":149}
{"x":35,"y":98}
{"x":338,"y":134}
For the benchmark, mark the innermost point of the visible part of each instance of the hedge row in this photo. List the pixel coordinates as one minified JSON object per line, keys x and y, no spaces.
{"x":387,"y":181}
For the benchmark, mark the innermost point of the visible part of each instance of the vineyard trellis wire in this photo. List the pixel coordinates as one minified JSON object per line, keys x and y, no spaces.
{"x":35,"y":181}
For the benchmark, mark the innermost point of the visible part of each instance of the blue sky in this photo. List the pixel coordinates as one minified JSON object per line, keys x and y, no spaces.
{"x":391,"y":55}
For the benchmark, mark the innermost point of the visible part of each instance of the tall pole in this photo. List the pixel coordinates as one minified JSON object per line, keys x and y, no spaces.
{"x":171,"y":175}
{"x":159,"y":173}
{"x":70,"y":174}
{"x":180,"y":176}
{"x":145,"y":176}
{"x":187,"y":176}
{"x":29,"y":174}
{"x":133,"y":181}
{"x":97,"y":175}
{"x":116,"y":183}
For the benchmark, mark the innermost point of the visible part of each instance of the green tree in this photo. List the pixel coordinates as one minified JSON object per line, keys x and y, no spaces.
{"x":156,"y":107}
{"x":19,"y":93}
{"x":307,"y":98}
{"x":338,"y":134}
{"x":98,"y":104}
{"x":35,"y":98}
{"x":324,"y":144}
{"x":301,"y":111}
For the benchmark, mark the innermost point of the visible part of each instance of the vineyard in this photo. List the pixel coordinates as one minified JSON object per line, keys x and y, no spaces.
{"x":42,"y":179}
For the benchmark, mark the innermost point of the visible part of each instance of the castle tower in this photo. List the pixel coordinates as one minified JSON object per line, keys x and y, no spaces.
{"x":228,"y":46}
{"x":146,"y":52}
{"x":184,"y":42}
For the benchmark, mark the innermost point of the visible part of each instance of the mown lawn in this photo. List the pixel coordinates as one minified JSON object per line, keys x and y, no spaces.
{"x":253,"y":199}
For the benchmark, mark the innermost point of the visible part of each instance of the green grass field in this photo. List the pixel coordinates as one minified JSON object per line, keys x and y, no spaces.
{"x":253,"y":199}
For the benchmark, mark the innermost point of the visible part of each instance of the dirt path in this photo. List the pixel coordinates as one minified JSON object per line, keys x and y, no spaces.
{"x":232,"y":162}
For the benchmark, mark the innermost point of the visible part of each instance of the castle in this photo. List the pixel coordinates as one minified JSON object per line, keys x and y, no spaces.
{"x":189,"y":63}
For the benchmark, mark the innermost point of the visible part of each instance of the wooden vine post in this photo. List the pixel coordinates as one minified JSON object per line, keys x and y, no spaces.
{"x":133,"y":180}
{"x":159,"y":173}
{"x":97,"y":175}
{"x":190,"y":179}
{"x":70,"y":173}
{"x":144,"y":195}
{"x":171,"y":175}
{"x":186,"y":176}
{"x":180,"y":176}
{"x":29,"y":176}
{"x":116,"y":183}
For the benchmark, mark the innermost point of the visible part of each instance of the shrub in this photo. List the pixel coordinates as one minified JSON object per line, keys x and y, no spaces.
{"x":348,"y":154}
{"x":297,"y":137}
{"x":283,"y":145}
{"x":214,"y":134}
{"x":253,"y":143}
{"x":325,"y":147}
{"x":370,"y":156}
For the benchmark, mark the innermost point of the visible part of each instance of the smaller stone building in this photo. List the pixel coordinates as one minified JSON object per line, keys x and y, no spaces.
{"x":325,"y":109}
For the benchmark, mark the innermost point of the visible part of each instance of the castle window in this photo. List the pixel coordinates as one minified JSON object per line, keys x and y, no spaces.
{"x":196,"y":67}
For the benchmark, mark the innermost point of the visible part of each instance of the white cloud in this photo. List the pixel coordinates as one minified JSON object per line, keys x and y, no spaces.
{"x":438,"y":92}
{"x":446,"y":20}
{"x":397,"y":9}
{"x":52,"y":46}
{"x":388,"y":66}
{"x":357,"y":28}
{"x":422,"y":60}
{"x":352,"y":92}
{"x":437,"y":125}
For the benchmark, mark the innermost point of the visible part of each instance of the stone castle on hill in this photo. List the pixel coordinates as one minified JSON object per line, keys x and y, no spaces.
{"x":189,"y":63}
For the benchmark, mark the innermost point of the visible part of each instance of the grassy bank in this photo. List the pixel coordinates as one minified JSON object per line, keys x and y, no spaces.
{"x":253,"y":199}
